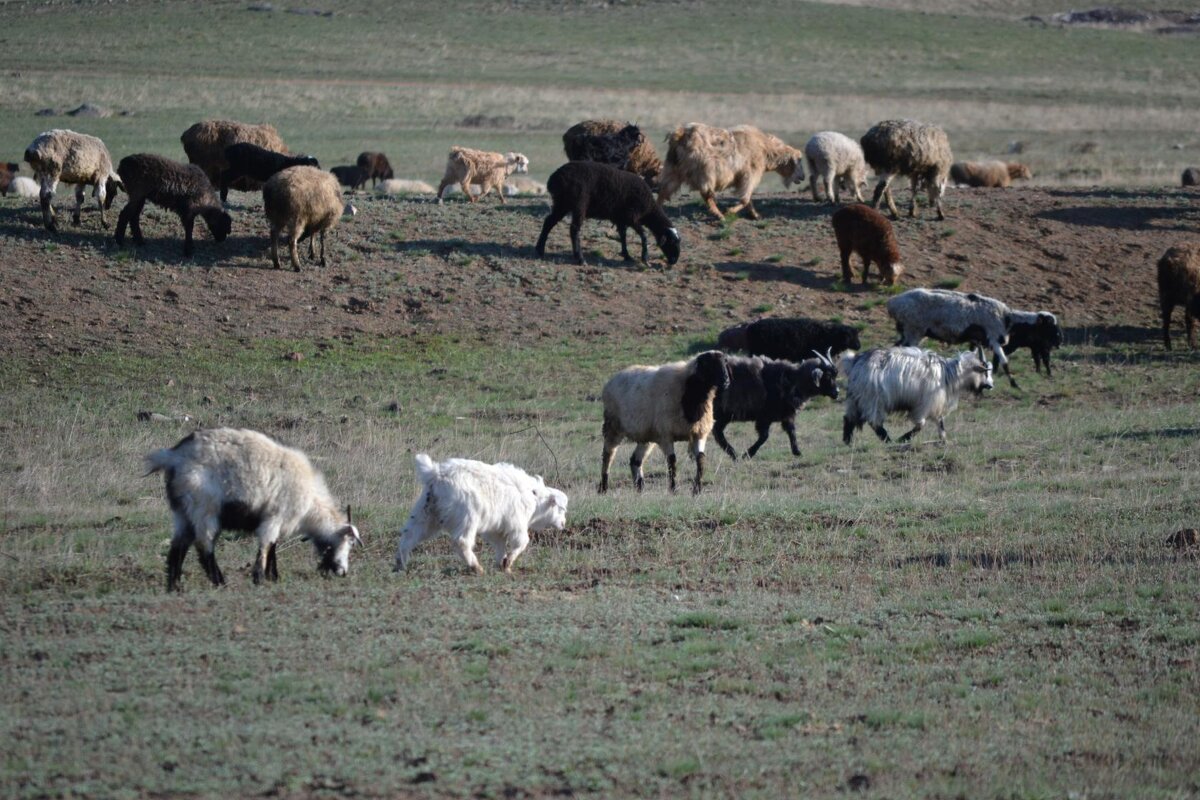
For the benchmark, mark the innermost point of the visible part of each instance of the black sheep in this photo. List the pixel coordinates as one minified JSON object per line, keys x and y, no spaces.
{"x":588,"y":190}
{"x":352,"y":177}
{"x":251,"y":161}
{"x":603,"y":148}
{"x":765,"y":391}
{"x":792,"y":338}
{"x":376,"y":166}
{"x":182,"y":188}
{"x":1038,"y":331}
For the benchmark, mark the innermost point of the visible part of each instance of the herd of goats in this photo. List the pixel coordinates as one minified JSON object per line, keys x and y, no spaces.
{"x":230,"y":479}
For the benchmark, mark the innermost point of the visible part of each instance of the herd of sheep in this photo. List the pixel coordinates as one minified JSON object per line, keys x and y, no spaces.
{"x":227,"y":479}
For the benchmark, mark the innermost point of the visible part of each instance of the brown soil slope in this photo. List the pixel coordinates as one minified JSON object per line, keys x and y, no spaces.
{"x":409,"y":267}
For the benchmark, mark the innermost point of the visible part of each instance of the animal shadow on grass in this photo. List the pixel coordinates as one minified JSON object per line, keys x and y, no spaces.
{"x":449,"y":247}
{"x":25,"y":222}
{"x":692,"y":208}
{"x":1153,"y":433}
{"x":1102,"y":336}
{"x":1158,"y":218}
{"x":758,"y":271}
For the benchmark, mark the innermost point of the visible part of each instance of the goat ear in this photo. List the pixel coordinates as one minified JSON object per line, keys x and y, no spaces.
{"x":816,"y":375}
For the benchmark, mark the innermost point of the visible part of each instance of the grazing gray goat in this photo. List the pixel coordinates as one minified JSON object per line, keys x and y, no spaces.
{"x":765,"y":391}
{"x":919,"y":382}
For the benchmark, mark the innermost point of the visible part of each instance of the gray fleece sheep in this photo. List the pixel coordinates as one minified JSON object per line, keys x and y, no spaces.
{"x":660,"y":406}
{"x":70,"y":157}
{"x":837,"y":160}
{"x":305,"y":201}
{"x":906,"y":147}
{"x":952,"y":317}
{"x":182,"y":188}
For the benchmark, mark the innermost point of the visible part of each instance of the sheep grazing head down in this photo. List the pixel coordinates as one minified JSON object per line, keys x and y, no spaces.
{"x":551,"y":513}
{"x":792,"y":171}
{"x":333,"y":553}
{"x":670,"y":243}
{"x":219,"y":224}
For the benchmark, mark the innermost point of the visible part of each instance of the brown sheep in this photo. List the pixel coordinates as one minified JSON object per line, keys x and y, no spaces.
{"x":376,"y":166}
{"x":643,"y":160}
{"x":465,"y":167}
{"x":863,"y":230}
{"x":182,"y":188}
{"x":907,"y":147}
{"x":205,"y":144}
{"x":988,"y":174}
{"x":1179,"y":285}
{"x":709,"y":160}
{"x":1191,"y":177}
{"x":305,"y":201}
{"x":7,"y":171}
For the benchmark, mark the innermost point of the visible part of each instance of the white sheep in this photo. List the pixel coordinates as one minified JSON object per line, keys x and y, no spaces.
{"x":466,"y":498}
{"x":22,"y":186}
{"x":304,"y":201}
{"x":836,"y":159}
{"x":660,"y":406}
{"x":919,"y":382}
{"x":954,"y":318}
{"x":70,"y":157}
{"x":467,"y":167}
{"x":235,"y":479}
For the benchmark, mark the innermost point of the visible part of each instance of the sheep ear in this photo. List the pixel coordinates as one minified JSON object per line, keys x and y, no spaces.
{"x":816,"y":375}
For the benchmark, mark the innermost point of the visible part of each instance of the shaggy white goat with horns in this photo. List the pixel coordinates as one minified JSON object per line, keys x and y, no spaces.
{"x":467,"y":498}
{"x":233,"y":479}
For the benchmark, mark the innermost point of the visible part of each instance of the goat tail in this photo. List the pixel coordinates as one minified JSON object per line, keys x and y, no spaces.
{"x":159,"y":460}
{"x":427,"y":470}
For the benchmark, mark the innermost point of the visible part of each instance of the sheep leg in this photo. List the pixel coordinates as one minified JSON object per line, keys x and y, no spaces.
{"x":275,"y":246}
{"x":622,"y":230}
{"x":268,"y":534}
{"x":189,"y":224}
{"x":919,"y":424}
{"x":711,"y":200}
{"x":446,"y":181}
{"x":293,"y":245}
{"x":421,"y":525}
{"x":466,"y":187}
{"x":867,"y":269}
{"x":272,"y":566}
{"x":181,"y":541}
{"x":576,"y":226}
{"x":1190,"y":321}
{"x":610,"y":450}
{"x":915,"y":184}
{"x":670,"y":467}
{"x":464,"y":541}
{"x":500,"y":193}
{"x":130,"y":215}
{"x":322,"y":248}
{"x":719,"y":434}
{"x":206,"y":549}
{"x":812,"y":184}
{"x":1003,"y":359}
{"x":697,"y":456}
{"x":46,"y":197}
{"x":831,"y":189}
{"x":882,"y":433}
{"x":553,"y":218}
{"x":942,"y":430}
{"x":936,"y":191}
{"x":883,"y":190}
{"x":635,"y":465}
{"x":101,"y":193}
{"x":764,"y":431}
{"x":847,"y":274}
{"x":75,"y":215}
{"x":516,"y":546}
{"x":848,"y":427}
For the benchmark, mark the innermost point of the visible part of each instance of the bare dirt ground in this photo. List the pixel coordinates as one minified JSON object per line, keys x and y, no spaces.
{"x":411,"y":268}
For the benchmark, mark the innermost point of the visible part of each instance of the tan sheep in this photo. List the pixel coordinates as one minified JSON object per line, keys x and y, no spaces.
{"x":1179,"y":285}
{"x":465,"y":167}
{"x":709,"y":160}
{"x":305,"y":201}
{"x":988,"y":174}
{"x":907,"y":147}
{"x":70,"y":157}
{"x":205,"y":144}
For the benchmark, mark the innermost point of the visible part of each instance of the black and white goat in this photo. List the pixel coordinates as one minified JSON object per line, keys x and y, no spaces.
{"x":765,"y":391}
{"x":248,"y":160}
{"x":1037,"y":330}
{"x":232,"y":479}
{"x":919,"y":382}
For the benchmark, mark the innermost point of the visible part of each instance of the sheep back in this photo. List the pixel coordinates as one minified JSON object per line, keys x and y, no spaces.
{"x":205,"y":144}
{"x":307,"y":196}
{"x":981,"y":174}
{"x":908,"y":147}
{"x":790,"y":338}
{"x":166,"y":183}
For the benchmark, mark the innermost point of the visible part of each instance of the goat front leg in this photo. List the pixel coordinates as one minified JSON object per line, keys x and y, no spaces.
{"x":916,"y":429}
{"x":78,"y":204}
{"x":697,"y":447}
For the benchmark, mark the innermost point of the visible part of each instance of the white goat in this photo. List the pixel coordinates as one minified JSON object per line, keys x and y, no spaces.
{"x":662,"y":405}
{"x":232,"y":479}
{"x":467,"y":498}
{"x":920,"y":382}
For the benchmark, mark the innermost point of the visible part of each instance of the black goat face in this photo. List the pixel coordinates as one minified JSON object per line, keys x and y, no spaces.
{"x":828,"y":382}
{"x":670,"y":242}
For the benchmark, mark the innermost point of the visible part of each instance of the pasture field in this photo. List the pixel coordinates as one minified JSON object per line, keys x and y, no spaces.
{"x":999,"y":617}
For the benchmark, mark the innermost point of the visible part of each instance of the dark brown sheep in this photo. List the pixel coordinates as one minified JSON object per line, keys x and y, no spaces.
{"x":1179,"y":285}
{"x":205,"y":144}
{"x":7,"y":171}
{"x":641,"y":158}
{"x":1191,"y":177}
{"x":863,"y":230}
{"x":351,"y":176}
{"x":376,"y":166}
{"x":182,"y":188}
